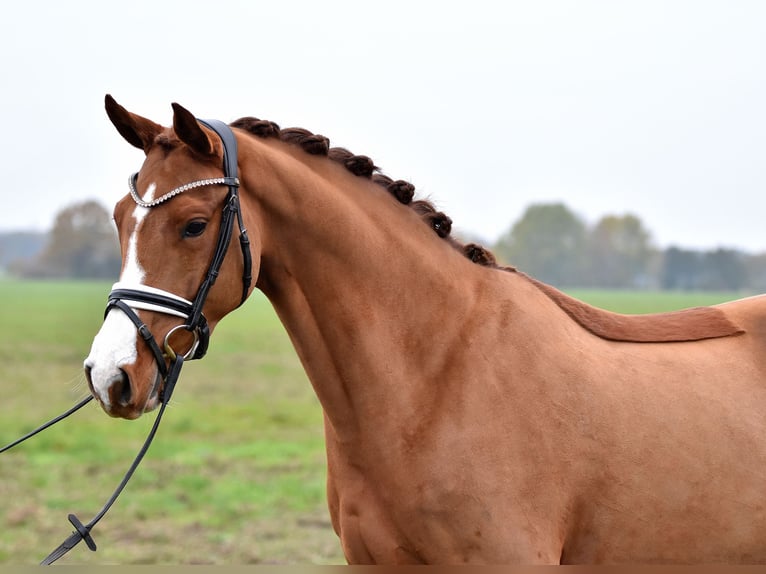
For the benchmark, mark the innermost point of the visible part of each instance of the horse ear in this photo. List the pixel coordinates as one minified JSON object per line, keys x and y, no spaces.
{"x":190,"y":132}
{"x":138,"y":131}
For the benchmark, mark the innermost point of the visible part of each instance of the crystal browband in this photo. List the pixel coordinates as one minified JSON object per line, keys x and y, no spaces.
{"x":231,"y":181}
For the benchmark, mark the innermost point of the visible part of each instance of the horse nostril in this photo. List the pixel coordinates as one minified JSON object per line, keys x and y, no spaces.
{"x":119,"y":387}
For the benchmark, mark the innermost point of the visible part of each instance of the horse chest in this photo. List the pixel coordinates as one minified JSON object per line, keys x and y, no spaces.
{"x":428,"y":518}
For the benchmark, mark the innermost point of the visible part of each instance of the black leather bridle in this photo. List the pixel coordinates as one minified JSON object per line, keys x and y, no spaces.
{"x":128,"y":298}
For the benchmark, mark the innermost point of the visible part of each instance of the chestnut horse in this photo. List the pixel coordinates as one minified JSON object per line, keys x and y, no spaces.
{"x":472,"y":414}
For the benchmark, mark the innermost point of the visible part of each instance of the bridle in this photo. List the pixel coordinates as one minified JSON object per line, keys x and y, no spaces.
{"x":128,"y":298}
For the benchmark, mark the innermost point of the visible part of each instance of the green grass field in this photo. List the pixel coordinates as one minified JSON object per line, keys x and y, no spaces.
{"x":236,"y":474}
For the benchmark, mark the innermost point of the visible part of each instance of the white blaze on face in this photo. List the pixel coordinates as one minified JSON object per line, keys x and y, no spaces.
{"x":115,"y":345}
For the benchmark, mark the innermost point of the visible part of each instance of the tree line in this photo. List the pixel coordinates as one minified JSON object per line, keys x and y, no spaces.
{"x":549,"y":242}
{"x":553,"y":244}
{"x":82,"y":244}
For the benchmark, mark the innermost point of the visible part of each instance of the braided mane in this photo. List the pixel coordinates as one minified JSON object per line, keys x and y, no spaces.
{"x":688,"y":325}
{"x":363,"y":166}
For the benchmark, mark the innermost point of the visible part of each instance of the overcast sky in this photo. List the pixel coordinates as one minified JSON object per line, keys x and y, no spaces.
{"x":656,"y":108}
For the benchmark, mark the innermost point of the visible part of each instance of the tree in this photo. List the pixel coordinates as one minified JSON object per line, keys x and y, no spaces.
{"x":17,"y":246}
{"x":755,"y":267}
{"x":719,"y":269}
{"x":681,"y":269}
{"x":547,"y":242}
{"x":82,"y":244}
{"x":619,"y":251}
{"x":723,"y":269}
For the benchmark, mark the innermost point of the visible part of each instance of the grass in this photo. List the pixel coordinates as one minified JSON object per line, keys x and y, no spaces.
{"x":235,"y":475}
{"x":237,"y":472}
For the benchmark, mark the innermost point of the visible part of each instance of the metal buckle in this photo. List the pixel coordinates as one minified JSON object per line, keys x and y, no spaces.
{"x":170,"y":352}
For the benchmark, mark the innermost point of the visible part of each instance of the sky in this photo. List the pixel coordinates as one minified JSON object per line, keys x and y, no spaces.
{"x":653,"y":108}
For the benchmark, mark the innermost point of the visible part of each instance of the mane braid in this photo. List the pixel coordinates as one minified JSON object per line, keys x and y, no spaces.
{"x":363,"y":166}
{"x":674,"y":327}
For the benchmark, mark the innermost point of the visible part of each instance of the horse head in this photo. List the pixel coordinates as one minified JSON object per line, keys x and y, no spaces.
{"x":178,"y":277}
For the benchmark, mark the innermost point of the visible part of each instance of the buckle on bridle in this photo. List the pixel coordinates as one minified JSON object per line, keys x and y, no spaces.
{"x":170,"y":352}
{"x":130,"y":298}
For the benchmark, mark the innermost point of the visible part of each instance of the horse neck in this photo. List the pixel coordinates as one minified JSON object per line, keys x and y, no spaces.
{"x":362,"y":286}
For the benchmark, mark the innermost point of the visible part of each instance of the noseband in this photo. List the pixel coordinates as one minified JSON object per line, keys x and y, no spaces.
{"x":128,"y":297}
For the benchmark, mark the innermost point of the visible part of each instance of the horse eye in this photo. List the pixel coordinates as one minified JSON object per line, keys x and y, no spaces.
{"x":194,"y":228}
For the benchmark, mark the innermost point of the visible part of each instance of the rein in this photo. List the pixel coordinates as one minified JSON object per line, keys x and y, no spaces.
{"x":127,"y":298}
{"x":82,"y":531}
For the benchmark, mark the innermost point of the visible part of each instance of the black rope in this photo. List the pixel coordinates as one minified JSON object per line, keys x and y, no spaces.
{"x":82,"y":531}
{"x":51,"y":422}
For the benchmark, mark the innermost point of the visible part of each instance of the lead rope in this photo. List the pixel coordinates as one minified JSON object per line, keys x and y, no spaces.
{"x":82,"y":531}
{"x":50,"y":423}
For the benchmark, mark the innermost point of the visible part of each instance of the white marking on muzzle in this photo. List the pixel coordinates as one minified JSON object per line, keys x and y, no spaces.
{"x":116,"y":343}
{"x":114,"y":347}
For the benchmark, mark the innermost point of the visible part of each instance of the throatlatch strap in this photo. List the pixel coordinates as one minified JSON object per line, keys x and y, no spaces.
{"x":230,"y":154}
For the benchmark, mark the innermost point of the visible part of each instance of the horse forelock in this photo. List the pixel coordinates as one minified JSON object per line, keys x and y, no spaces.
{"x":363,"y":166}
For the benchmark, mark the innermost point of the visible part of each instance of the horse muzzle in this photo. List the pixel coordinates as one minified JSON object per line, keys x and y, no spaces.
{"x":119,"y":394}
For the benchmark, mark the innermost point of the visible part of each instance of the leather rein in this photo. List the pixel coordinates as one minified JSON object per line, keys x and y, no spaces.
{"x":127,"y":298}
